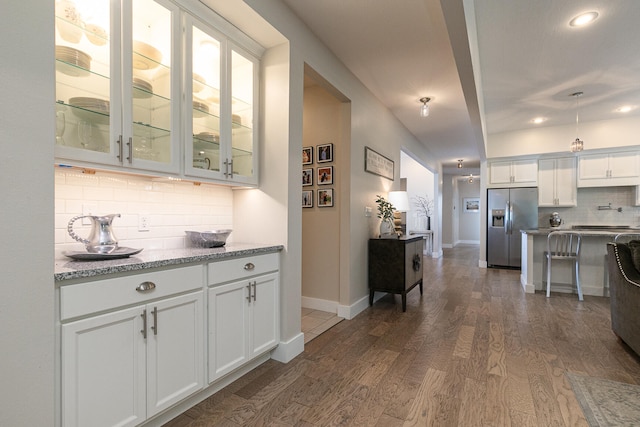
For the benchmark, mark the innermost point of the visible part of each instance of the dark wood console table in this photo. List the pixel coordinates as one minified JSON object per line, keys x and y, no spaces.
{"x":395,"y":266}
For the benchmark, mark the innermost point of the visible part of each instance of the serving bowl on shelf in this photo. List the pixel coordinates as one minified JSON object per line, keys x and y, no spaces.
{"x":208,"y":239}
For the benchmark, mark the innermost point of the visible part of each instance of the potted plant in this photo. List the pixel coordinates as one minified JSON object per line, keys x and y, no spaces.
{"x":424,"y":207}
{"x":385,"y":212}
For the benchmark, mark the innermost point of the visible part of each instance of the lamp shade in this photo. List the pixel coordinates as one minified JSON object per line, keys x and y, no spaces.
{"x":399,"y":200}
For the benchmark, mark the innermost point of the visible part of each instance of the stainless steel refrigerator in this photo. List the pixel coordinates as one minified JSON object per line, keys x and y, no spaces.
{"x":509,"y":211}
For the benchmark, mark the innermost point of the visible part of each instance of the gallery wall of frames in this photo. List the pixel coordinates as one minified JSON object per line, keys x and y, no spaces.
{"x":317,"y":176}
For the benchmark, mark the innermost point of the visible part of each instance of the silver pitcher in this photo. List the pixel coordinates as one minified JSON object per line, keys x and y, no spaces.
{"x":555,"y":220}
{"x":101,"y":239}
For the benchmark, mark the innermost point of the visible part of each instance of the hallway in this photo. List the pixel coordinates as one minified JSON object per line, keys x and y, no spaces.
{"x":474,"y":350}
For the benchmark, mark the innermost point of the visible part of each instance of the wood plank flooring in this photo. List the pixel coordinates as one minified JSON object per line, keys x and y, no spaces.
{"x":474,"y":350}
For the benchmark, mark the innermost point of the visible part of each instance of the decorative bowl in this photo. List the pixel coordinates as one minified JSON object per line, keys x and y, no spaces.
{"x":208,"y":239}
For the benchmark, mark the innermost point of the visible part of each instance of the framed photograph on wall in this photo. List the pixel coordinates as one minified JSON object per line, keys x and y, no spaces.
{"x":325,"y":175}
{"x":471,"y":204}
{"x":307,"y":198}
{"x":325,"y":198}
{"x":307,"y":155}
{"x":325,"y":153}
{"x":307,"y":177}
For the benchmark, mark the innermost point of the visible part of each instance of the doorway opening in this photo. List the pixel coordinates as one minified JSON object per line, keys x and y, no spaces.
{"x":325,"y":177}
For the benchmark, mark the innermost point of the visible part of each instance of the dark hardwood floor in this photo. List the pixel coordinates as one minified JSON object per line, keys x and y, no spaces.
{"x":474,"y":350}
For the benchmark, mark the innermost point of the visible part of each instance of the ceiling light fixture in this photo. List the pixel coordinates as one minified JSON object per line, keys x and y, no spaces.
{"x":538,"y":120}
{"x":583,"y":19}
{"x":460,"y":164}
{"x":625,"y":109}
{"x":424,"y":109}
{"x":577,"y":145}
{"x":470,"y":179}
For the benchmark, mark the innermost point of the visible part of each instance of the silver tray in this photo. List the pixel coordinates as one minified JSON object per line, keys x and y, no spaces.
{"x":121,"y":252}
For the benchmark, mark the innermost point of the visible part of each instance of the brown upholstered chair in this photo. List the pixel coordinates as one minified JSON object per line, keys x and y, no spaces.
{"x":624,"y":287}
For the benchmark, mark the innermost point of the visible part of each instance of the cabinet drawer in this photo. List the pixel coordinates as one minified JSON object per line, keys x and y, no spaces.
{"x":235,"y":269}
{"x":100,"y":295}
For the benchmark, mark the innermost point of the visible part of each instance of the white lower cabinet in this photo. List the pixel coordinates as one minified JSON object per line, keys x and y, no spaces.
{"x":121,"y":367}
{"x":243,"y":314}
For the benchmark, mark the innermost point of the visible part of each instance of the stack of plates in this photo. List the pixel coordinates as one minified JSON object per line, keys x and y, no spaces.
{"x":93,"y":110}
{"x":145,"y":88}
{"x":145,"y":56}
{"x":198,"y":82}
{"x":81,"y":61}
{"x":209,"y":137}
{"x":200,"y":109}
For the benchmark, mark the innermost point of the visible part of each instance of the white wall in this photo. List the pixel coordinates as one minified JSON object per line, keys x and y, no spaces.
{"x":468,"y":222}
{"x":420,"y":182}
{"x":26,"y":190}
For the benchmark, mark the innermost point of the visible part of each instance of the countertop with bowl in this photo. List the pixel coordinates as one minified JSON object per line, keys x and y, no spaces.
{"x":68,"y":269}
{"x":588,"y":230}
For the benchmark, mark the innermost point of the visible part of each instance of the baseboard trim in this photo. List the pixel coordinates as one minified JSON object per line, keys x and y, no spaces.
{"x":482,"y":264}
{"x":287,"y":351}
{"x":350,"y":311}
{"x":529,"y":288}
{"x":320,"y":304}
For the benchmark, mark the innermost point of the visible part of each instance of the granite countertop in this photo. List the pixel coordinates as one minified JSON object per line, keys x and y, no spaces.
{"x":595,"y":233}
{"x":67,"y":268}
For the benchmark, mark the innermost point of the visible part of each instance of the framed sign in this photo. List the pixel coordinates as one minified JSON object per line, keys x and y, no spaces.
{"x":471,"y":204}
{"x":378,"y":164}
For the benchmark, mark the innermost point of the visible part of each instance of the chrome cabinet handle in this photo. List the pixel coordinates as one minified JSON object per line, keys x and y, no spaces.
{"x":119,"y":142}
{"x":226,"y":168}
{"x":249,"y":292}
{"x":155,"y":320}
{"x":144,"y":324}
{"x":145,"y":286}
{"x":130,"y":144}
{"x":231,"y":167}
{"x":249,"y":266}
{"x":254,"y":289}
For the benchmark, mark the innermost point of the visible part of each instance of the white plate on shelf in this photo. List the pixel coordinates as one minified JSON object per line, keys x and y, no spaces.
{"x":120,"y":252}
{"x":145,"y":56}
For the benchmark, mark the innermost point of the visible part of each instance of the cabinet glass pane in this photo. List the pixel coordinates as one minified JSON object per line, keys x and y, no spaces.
{"x":242,"y":72}
{"x":206,"y":101}
{"x":82,"y":74}
{"x":151,"y":85}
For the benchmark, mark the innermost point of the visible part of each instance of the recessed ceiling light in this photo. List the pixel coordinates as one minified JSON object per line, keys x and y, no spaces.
{"x":625,"y":109}
{"x":583,"y":19}
{"x":539,"y":120}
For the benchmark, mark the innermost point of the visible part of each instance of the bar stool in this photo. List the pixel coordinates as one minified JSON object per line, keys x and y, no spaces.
{"x":563,"y":245}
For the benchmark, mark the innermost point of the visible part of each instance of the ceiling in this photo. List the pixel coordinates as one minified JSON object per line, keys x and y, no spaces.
{"x":530,"y":62}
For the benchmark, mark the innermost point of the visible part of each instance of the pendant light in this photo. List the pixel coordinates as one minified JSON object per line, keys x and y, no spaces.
{"x":460,"y":164}
{"x":424,"y":109}
{"x":577,"y":145}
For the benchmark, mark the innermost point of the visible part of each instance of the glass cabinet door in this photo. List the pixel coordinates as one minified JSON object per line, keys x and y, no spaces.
{"x":84,"y":108}
{"x":150,"y":85}
{"x":205,"y":157}
{"x":243,"y":96}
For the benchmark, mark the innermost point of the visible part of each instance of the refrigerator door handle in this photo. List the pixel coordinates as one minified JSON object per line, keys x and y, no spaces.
{"x":510,"y":218}
{"x":507,"y":218}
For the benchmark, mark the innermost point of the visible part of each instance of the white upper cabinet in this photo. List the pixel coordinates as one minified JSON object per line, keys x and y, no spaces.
{"x":117,"y":84}
{"x":557,"y":182}
{"x":513,"y":173}
{"x":219,"y":131}
{"x":607,"y":170}
{"x":122,"y":67}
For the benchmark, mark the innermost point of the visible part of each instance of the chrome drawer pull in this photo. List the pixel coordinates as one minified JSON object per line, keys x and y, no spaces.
{"x":249,"y":292}
{"x":144,"y":324}
{"x":249,"y":266}
{"x":145,"y":286}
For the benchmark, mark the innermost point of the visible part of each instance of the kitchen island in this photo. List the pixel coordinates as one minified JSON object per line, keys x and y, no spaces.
{"x":593,"y":273}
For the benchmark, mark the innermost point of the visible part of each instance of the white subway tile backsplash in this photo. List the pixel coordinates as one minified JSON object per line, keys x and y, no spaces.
{"x":587,"y":212}
{"x":173,"y":207}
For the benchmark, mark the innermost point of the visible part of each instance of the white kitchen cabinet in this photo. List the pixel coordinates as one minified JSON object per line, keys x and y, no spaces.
{"x":145,"y":85}
{"x":117,"y":84}
{"x":121,"y":366}
{"x":608,"y":169}
{"x":243,"y":313}
{"x":220,"y":137}
{"x":513,"y":173}
{"x":557,"y":182}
